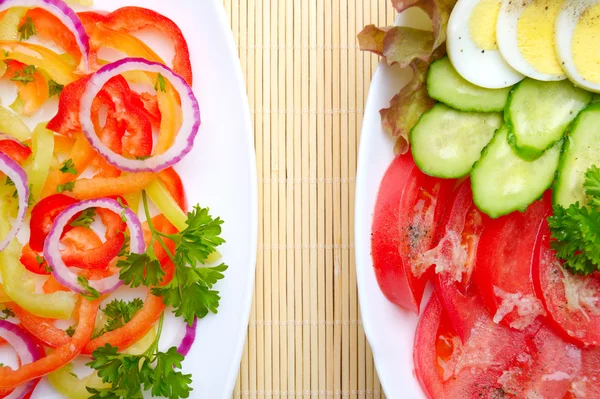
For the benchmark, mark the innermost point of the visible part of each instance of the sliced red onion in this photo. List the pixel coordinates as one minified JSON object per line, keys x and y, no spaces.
{"x":52,"y":253}
{"x":16,"y":173}
{"x":185,"y":137}
{"x":27,"y":351}
{"x":188,"y":338}
{"x":65,"y":14}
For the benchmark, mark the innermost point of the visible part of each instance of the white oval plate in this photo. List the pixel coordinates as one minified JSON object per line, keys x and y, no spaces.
{"x":219,"y":173}
{"x":389,"y":329}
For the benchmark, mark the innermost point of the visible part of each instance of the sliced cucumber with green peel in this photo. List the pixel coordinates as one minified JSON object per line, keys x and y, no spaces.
{"x":502,"y":182}
{"x":538,"y":113}
{"x":446,"y":85}
{"x":446,"y":142}
{"x":581,"y":150}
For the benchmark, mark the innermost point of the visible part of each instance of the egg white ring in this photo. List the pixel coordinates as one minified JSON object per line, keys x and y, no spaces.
{"x":566,"y":22}
{"x":486,"y":69}
{"x":508,"y":42}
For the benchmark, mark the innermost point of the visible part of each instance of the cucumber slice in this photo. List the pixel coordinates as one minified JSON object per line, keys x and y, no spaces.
{"x":446,"y":85}
{"x":502,"y":182}
{"x":582,"y":150}
{"x":446,"y":142}
{"x":538,"y":114}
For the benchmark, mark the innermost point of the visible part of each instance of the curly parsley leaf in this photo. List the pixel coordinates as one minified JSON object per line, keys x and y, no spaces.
{"x":119,"y":313}
{"x":85,"y":218}
{"x":130,"y":375}
{"x":27,"y":29}
{"x":69,"y":186}
{"x":576,"y":229}
{"x":25,"y":75}
{"x":54,"y":89}
{"x":140,"y":269}
{"x":68,"y":167}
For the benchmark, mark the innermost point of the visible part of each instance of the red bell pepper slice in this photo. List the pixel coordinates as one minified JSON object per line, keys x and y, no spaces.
{"x":131,"y":116}
{"x":63,"y":354}
{"x":49,"y":28}
{"x":42,"y":218}
{"x":15,"y":150}
{"x":133,"y":19}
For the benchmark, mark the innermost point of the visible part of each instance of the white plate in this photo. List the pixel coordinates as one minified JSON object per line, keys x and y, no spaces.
{"x":389,"y":329}
{"x":219,"y":173}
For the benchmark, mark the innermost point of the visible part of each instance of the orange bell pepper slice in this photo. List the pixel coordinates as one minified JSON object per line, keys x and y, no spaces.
{"x":32,"y":95}
{"x":98,"y":187}
{"x":63,"y":354}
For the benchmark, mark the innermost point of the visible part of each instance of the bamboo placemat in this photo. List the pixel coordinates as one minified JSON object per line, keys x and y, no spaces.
{"x":307,"y":85}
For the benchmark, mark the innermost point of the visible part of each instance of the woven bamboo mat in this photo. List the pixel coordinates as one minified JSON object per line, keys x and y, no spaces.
{"x":307,"y":85}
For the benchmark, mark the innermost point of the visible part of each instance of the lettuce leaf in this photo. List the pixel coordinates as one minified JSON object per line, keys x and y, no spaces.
{"x":414,"y":48}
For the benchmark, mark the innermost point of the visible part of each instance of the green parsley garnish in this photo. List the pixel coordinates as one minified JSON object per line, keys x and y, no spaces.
{"x":27,"y":29}
{"x":54,"y":89}
{"x":6,"y":313}
{"x":190,"y":291}
{"x":68,"y":167}
{"x":25,"y":75}
{"x":90,"y":292}
{"x":85,"y":218}
{"x":69,"y":186}
{"x":70,"y":331}
{"x":576,"y":229}
{"x":9,"y":182}
{"x":161,"y":84}
{"x":119,"y":313}
{"x":130,"y":375}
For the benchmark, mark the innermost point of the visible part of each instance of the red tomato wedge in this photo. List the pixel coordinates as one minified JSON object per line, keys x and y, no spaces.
{"x":454,"y":259}
{"x":504,"y":264}
{"x":572,"y":301}
{"x":409,"y":204}
{"x":447,"y":368}
{"x":546,"y":369}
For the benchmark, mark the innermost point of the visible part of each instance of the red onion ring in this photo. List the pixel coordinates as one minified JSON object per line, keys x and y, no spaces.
{"x":66,"y":15}
{"x":188,"y":338}
{"x":27,"y":351}
{"x":16,"y":173}
{"x":185,"y":137}
{"x":52,"y":253}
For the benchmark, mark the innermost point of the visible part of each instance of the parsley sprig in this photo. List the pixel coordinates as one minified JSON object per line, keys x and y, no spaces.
{"x":27,"y":29}
{"x":25,"y":75}
{"x":576,"y":229}
{"x":118,"y":313}
{"x":85,"y":218}
{"x":130,"y":375}
{"x":68,"y":166}
{"x":190,"y":291}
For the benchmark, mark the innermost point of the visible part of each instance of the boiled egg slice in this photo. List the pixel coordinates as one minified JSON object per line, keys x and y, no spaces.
{"x":472,"y":47}
{"x":525,"y":35}
{"x":577,"y":42}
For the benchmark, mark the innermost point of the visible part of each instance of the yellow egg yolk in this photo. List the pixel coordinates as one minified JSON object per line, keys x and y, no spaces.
{"x":535,"y":35}
{"x":586,"y":52}
{"x":482,"y":24}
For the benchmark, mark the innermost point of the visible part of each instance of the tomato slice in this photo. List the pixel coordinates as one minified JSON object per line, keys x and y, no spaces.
{"x":42,"y":218}
{"x":546,"y":369}
{"x":409,"y":204}
{"x":448,"y":368}
{"x":504,"y":264}
{"x":572,"y":301}
{"x":454,"y":259}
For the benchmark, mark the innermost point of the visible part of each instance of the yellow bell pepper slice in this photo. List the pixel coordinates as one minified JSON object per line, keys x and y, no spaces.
{"x":73,"y":387}
{"x":42,"y":145}
{"x":41,"y":57}
{"x":166,"y":204}
{"x":11,"y":124}
{"x":9,"y":26}
{"x":20,"y":287}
